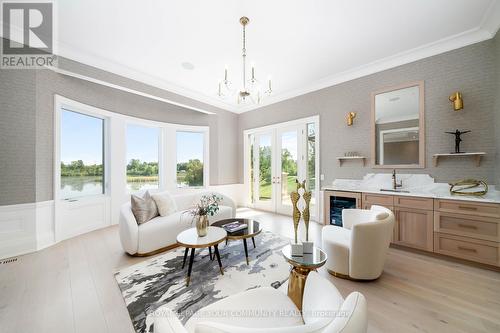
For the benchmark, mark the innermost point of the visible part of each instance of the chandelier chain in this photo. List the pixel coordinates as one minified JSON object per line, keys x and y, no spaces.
{"x":244,"y":57}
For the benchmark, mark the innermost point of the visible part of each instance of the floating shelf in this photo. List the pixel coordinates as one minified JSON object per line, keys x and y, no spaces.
{"x":344,"y":158}
{"x":476,"y":156}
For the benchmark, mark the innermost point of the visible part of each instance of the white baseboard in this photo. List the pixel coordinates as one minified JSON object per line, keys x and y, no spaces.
{"x":26,"y":228}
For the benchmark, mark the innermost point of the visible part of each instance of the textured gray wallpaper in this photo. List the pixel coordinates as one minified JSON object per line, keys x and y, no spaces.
{"x":27,"y":125}
{"x":496,"y":42}
{"x":17,"y":136}
{"x":471,"y":70}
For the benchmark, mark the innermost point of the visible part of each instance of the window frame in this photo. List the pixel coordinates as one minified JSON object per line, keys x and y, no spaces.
{"x":85,"y":110}
{"x":204,"y":131}
{"x":115,"y":150}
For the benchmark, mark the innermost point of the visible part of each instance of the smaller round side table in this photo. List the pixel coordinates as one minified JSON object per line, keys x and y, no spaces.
{"x":190,"y":240}
{"x":301,"y":267}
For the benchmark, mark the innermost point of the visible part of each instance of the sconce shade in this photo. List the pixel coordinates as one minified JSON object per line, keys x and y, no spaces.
{"x":350,"y":118}
{"x":457,"y":101}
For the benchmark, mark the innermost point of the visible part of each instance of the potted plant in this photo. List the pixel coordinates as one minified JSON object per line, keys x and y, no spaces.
{"x":208,"y":205}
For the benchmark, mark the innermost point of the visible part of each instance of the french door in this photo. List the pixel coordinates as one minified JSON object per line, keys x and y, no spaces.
{"x":278,"y":157}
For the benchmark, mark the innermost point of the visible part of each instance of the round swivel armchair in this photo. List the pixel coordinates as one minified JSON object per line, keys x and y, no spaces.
{"x":358,"y":249}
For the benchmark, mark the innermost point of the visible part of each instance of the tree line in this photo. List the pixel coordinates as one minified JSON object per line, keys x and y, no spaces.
{"x":190,"y":172}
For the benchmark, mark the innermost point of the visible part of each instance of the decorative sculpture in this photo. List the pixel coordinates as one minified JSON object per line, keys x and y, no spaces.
{"x":458,"y":139}
{"x":295,"y":197}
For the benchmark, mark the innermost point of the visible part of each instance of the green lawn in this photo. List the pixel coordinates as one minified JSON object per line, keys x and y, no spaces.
{"x":265,"y":188}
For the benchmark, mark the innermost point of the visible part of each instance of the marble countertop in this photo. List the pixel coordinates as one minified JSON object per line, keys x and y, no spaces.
{"x":416,"y":185}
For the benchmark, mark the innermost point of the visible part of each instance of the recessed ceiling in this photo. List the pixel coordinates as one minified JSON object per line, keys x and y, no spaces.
{"x":304,"y":45}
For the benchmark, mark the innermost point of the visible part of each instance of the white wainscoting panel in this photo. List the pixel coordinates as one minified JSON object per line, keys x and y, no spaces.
{"x":17,"y":229}
{"x":45,"y":228}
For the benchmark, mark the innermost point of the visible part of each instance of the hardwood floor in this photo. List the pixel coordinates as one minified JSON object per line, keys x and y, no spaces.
{"x":70,"y":287}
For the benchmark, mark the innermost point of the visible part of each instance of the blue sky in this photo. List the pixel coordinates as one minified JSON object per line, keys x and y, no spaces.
{"x":81,"y":139}
{"x":142,"y":143}
{"x":189,"y":146}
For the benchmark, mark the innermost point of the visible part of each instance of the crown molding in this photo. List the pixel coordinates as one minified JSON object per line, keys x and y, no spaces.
{"x":419,"y":53}
{"x":75,"y":54}
{"x":487,"y":29}
{"x":125,"y":89}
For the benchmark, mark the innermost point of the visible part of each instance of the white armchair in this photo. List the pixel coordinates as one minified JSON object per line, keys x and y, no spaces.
{"x":271,"y":311}
{"x":161,"y":232}
{"x":358,"y":249}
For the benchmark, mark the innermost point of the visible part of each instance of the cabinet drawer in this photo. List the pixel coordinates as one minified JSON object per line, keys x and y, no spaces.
{"x":486,"y":228}
{"x":468,"y":207}
{"x":414,"y":202}
{"x":467,"y":248}
{"x":378,"y":199}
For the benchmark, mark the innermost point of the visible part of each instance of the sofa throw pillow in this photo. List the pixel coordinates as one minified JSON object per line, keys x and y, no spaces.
{"x":165,"y":203}
{"x":144,"y":209}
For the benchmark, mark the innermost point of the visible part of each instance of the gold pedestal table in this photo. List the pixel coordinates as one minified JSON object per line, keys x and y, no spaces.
{"x":302,"y":265}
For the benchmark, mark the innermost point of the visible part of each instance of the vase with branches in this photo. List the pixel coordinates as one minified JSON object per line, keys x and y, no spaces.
{"x":207,"y":206}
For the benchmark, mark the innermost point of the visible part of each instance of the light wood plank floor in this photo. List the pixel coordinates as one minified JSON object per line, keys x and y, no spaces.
{"x":70,"y":287}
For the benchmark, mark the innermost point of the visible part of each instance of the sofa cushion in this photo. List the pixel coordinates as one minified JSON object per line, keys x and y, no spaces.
{"x":144,"y":208}
{"x":257,"y":308}
{"x":165,"y":202}
{"x":162,"y":231}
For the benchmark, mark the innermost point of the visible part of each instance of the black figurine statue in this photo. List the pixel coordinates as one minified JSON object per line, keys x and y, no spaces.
{"x":457,"y":134}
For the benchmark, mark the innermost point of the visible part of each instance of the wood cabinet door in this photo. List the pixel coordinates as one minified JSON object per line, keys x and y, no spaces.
{"x":414,"y":228}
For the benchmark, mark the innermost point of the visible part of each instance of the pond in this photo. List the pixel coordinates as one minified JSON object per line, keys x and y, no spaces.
{"x":75,"y":187}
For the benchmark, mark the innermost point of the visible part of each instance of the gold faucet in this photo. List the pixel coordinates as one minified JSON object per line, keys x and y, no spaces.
{"x":395,"y":184}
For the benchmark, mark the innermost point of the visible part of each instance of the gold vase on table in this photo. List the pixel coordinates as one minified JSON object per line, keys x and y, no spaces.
{"x":202,"y":225}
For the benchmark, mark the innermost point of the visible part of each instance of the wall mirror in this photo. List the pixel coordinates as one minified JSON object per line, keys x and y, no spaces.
{"x":398,"y":127}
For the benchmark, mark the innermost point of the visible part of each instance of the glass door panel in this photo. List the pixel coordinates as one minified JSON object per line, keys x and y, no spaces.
{"x":288,"y":166}
{"x":263,"y":171}
{"x":311,"y":163}
{"x":288,"y":171}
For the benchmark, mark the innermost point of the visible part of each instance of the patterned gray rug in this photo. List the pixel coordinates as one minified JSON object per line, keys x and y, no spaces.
{"x":161,"y":280}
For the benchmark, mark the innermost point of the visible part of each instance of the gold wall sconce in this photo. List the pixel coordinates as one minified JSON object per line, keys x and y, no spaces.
{"x":350,"y":118}
{"x":457,"y":101}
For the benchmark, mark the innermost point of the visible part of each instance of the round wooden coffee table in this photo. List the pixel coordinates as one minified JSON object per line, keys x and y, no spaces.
{"x":253,"y":229}
{"x":190,"y":240}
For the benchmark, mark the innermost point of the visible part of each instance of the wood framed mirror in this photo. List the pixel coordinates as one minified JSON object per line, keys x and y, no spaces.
{"x":398,"y":126}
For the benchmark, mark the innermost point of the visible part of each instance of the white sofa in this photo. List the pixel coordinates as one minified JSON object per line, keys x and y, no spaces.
{"x":161,"y":232}
{"x":358,"y":249}
{"x":271,"y":311}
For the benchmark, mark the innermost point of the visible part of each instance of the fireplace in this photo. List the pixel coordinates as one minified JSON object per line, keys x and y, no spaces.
{"x":336,"y":201}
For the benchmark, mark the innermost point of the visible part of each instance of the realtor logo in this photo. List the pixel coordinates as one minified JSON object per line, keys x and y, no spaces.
{"x":27,"y":32}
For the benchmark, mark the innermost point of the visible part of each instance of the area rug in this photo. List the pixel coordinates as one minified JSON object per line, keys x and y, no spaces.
{"x":161,"y":280}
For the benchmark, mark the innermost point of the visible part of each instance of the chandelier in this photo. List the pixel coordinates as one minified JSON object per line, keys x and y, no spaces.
{"x":251,"y":90}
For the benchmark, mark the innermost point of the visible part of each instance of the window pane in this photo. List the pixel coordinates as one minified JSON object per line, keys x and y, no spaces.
{"x":82,"y":141}
{"x":142,"y":157}
{"x":311,"y":160}
{"x":190,"y":148}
